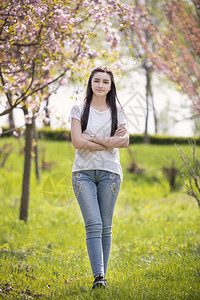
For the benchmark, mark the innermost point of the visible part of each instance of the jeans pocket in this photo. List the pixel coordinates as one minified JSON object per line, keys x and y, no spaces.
{"x":114,"y":176}
{"x":76,"y":175}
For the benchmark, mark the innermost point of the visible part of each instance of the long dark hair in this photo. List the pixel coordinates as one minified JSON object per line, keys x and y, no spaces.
{"x":111,"y":98}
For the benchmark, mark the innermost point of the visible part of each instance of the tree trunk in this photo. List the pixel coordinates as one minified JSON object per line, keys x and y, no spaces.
{"x":148,"y":80}
{"x":47,"y":123}
{"x":154,"y":110}
{"x":35,"y":150}
{"x":11,"y":120}
{"x":26,"y":175}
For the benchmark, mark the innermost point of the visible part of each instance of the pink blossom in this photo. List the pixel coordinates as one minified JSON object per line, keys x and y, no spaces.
{"x":108,"y":38}
{"x":46,"y":120}
{"x":64,"y":81}
{"x":118,"y":64}
{"x":93,"y":53}
{"x":113,"y":2}
{"x":1,"y":131}
{"x":6,"y":87}
{"x":15,"y":133}
{"x":86,"y":3}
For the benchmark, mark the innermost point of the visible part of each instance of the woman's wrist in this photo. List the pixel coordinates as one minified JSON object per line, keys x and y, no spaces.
{"x":92,"y":136}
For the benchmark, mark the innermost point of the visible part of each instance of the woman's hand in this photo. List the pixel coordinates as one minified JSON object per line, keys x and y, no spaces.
{"x":120,"y":131}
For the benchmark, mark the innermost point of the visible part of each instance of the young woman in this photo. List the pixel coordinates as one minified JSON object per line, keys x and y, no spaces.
{"x":98,"y":130}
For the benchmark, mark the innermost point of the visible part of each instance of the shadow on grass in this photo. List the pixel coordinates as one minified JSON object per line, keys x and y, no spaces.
{"x":17,"y":254}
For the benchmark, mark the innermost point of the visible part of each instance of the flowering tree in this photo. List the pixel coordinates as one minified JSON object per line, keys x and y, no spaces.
{"x":176,"y":50}
{"x":131,"y":19}
{"x":184,"y":45}
{"x":43,"y":42}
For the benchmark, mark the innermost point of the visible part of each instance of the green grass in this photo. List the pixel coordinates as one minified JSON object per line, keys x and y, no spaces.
{"x":155,"y":250}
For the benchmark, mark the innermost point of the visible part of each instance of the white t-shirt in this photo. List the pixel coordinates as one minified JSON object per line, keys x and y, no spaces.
{"x":99,"y":123}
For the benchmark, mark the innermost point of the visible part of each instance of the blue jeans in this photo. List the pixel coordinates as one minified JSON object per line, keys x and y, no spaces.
{"x":96,"y":192}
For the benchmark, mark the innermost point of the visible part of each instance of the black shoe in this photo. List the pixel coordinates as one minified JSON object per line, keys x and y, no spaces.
{"x":100,"y":281}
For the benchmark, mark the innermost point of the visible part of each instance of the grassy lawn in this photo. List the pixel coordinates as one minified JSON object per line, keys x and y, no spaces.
{"x":156,"y":233}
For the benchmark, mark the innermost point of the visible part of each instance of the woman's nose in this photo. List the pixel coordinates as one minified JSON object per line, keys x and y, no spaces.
{"x":100,"y":83}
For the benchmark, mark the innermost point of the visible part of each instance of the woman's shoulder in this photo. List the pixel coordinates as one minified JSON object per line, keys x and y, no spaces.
{"x":78,"y":107}
{"x":121,"y":115}
{"x":76,"y":111}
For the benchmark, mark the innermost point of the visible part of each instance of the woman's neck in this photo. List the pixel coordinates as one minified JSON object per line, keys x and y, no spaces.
{"x":99,"y":102}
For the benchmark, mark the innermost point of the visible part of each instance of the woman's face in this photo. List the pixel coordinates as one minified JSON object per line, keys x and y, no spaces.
{"x":101,"y":84}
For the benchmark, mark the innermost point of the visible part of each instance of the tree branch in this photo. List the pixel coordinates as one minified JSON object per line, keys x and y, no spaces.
{"x":20,"y":44}
{"x":8,"y":94}
{"x":32,"y":79}
{"x":40,"y":88}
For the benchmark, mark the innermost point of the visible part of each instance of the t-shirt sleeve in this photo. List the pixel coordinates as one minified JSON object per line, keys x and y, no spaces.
{"x":121,"y":116}
{"x":75,"y":113}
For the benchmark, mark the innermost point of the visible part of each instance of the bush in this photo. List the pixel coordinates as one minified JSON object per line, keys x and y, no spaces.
{"x":60,"y":134}
{"x":161,"y":139}
{"x":47,"y":133}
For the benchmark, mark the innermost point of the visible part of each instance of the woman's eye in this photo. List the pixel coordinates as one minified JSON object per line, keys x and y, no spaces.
{"x":105,"y":82}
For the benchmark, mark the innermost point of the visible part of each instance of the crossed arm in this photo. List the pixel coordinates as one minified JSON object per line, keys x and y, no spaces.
{"x":84,"y":141}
